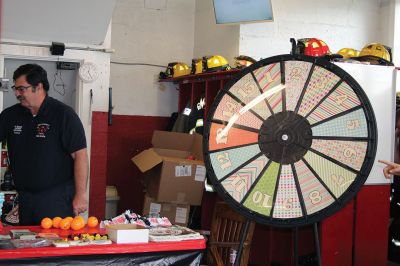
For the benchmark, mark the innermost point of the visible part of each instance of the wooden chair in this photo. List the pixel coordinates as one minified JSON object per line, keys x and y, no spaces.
{"x":225,"y":234}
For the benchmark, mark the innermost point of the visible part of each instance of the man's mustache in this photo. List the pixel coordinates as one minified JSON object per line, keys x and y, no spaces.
{"x":20,"y":98}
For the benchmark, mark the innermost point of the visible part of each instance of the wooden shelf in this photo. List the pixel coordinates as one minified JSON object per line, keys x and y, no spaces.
{"x":228,"y":74}
{"x":205,"y":85}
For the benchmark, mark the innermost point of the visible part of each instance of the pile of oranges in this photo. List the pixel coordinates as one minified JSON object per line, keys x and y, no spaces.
{"x":67,"y":223}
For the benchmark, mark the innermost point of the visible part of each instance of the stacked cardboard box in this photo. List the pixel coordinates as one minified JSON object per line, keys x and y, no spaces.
{"x":174,"y":171}
{"x":177,"y":213}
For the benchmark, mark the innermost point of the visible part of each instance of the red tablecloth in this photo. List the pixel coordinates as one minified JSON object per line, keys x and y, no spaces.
{"x":93,"y":249}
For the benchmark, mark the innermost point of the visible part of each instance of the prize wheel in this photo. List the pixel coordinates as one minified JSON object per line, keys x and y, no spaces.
{"x":290,"y":140}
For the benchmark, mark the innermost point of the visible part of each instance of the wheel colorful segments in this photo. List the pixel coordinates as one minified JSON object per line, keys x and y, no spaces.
{"x":290,"y":140}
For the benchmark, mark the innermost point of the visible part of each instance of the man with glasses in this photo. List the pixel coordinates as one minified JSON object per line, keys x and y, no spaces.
{"x":47,"y":150}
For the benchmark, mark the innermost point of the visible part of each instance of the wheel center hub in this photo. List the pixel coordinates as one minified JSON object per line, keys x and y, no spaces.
{"x":285,"y":137}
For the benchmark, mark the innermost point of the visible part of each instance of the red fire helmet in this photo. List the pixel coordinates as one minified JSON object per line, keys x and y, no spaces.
{"x":316,"y":47}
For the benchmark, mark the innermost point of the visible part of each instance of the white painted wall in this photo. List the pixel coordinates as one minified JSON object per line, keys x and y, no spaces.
{"x":340,"y":23}
{"x":162,"y":31}
{"x":149,"y":32}
{"x":212,"y":39}
{"x":387,"y":21}
{"x":396,"y":36}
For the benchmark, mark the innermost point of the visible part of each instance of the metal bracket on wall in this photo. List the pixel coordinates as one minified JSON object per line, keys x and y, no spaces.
{"x":90,"y":106}
{"x":110,"y":107}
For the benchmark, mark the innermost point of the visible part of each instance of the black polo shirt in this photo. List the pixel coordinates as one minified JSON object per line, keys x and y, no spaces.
{"x":40,"y":146}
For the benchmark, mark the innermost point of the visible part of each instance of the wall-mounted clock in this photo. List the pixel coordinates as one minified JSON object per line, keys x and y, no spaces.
{"x":88,"y":72}
{"x":290,"y":140}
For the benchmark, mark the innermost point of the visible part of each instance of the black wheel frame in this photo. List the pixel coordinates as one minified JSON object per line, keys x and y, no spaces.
{"x":344,"y":198}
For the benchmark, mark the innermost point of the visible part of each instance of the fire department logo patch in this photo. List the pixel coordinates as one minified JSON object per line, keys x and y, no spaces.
{"x":41,"y":130}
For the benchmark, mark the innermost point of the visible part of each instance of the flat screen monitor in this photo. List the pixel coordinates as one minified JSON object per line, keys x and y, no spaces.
{"x":242,"y":11}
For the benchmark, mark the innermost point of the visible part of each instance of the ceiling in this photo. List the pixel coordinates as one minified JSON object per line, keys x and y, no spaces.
{"x":72,"y":21}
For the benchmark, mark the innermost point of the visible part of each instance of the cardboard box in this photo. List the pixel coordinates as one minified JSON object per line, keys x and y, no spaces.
{"x":169,"y":175}
{"x":177,"y":213}
{"x":127,"y":233}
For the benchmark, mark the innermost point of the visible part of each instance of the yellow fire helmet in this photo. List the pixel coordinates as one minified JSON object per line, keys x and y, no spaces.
{"x":197,"y":66}
{"x":215,"y":63}
{"x":243,"y":61}
{"x":377,"y":50}
{"x":348,"y":52}
{"x":177,"y":69}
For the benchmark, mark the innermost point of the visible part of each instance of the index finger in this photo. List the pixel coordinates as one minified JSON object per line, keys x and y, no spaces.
{"x":387,"y":162}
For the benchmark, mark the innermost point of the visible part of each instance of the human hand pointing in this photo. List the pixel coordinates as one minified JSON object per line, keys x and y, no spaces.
{"x":390,"y":168}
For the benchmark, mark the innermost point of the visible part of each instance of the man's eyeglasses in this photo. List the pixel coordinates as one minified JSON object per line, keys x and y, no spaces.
{"x":20,"y":88}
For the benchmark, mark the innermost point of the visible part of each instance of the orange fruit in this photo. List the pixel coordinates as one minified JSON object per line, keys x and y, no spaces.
{"x":69,"y":218}
{"x":80,"y":218}
{"x":92,"y":221}
{"x":65,"y":223}
{"x":56,"y":222}
{"x":77,"y":223}
{"x":46,"y":223}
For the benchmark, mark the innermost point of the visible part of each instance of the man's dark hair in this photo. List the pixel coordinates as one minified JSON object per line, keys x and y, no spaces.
{"x":35,"y":74}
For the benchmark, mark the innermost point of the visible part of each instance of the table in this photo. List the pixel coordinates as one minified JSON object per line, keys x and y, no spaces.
{"x":188,"y":252}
